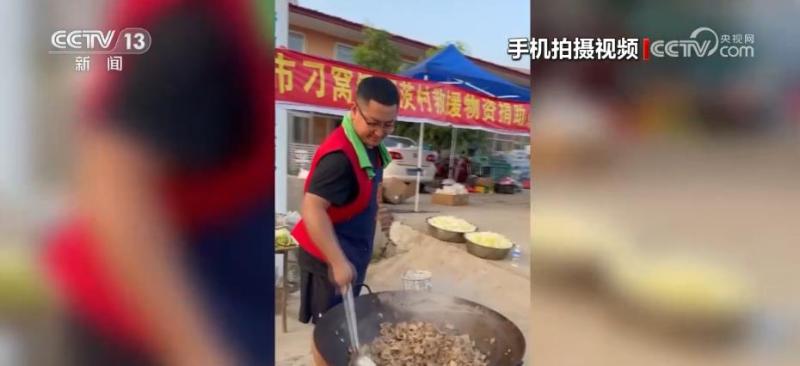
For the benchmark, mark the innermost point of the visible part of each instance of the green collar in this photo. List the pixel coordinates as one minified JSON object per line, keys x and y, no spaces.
{"x":361,"y":150}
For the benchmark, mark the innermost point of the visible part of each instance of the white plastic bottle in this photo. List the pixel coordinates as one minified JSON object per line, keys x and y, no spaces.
{"x":516,"y":254}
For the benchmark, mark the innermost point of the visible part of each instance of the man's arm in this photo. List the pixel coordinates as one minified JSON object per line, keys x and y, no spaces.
{"x":118,"y":191}
{"x":333,"y":183}
{"x":320,"y":229}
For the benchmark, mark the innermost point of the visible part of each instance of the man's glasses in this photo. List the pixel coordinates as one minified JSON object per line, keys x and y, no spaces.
{"x":386,"y":126}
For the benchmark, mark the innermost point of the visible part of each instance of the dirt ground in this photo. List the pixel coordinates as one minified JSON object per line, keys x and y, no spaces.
{"x":496,"y":284}
{"x":501,"y":213}
{"x":738,"y":202}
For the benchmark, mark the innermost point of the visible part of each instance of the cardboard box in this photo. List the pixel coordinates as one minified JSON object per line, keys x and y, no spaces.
{"x":450,"y":199}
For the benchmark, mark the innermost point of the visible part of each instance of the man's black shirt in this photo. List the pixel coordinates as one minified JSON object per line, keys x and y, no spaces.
{"x":334,"y":178}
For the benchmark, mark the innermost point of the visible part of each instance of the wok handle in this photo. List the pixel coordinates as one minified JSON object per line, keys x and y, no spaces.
{"x":364,"y":285}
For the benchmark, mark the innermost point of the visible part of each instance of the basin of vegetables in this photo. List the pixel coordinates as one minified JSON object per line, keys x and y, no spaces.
{"x":449,"y":228}
{"x":680,"y":292}
{"x":284,"y":239}
{"x":488,"y":245}
{"x":572,"y":245}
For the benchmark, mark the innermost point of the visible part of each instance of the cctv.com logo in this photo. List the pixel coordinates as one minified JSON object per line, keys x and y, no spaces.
{"x":702,"y":42}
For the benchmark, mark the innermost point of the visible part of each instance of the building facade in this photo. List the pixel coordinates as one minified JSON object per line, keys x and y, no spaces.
{"x":324,"y":35}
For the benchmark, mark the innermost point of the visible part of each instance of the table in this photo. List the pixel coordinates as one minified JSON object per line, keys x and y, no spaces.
{"x":284,"y":293}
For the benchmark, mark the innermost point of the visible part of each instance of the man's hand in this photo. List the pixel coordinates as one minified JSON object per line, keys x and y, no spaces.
{"x":342,"y":273}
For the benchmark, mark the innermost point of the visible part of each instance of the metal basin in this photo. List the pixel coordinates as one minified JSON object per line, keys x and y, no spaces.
{"x":445,"y":235}
{"x":486,"y":252}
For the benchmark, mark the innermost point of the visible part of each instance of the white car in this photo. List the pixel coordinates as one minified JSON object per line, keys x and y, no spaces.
{"x":404,"y":152}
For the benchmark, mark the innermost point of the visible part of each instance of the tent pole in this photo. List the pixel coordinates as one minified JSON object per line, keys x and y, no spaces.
{"x":281,"y":158}
{"x":419,"y":161}
{"x":419,"y":165}
{"x":452,"y":154}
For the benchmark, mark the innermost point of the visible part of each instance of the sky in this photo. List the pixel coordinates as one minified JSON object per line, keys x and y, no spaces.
{"x":484,"y":26}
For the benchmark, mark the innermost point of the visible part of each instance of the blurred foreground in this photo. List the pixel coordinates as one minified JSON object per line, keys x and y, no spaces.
{"x":731,"y":203}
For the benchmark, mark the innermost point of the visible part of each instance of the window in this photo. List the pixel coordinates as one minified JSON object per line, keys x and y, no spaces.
{"x":297,"y":41}
{"x":322,"y":127}
{"x":343,"y":52}
{"x":308,"y":129}
{"x":301,"y":133}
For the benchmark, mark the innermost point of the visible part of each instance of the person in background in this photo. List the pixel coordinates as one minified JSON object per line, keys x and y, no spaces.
{"x":341,"y":200}
{"x":463,"y":168}
{"x":443,"y":166}
{"x":165,"y":258}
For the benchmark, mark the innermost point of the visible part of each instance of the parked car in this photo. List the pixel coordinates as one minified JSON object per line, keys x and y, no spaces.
{"x":404,"y":152}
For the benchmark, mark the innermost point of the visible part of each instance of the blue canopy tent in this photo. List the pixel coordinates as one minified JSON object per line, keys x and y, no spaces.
{"x":450,"y":66}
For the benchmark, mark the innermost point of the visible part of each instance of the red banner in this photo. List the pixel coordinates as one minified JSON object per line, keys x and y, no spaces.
{"x":316,"y":81}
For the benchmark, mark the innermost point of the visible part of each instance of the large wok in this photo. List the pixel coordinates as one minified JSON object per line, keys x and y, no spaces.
{"x":481,"y":323}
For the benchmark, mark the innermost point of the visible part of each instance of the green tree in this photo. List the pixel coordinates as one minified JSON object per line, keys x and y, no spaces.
{"x":377,"y":52}
{"x":461,"y":46}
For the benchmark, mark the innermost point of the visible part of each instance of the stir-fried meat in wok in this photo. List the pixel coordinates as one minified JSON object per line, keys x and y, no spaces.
{"x":421,"y":343}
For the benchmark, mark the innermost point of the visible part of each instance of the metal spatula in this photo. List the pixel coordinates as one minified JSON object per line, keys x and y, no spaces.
{"x":352,"y":328}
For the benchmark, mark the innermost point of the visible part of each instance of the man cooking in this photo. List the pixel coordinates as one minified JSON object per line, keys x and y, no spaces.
{"x":341,"y":200}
